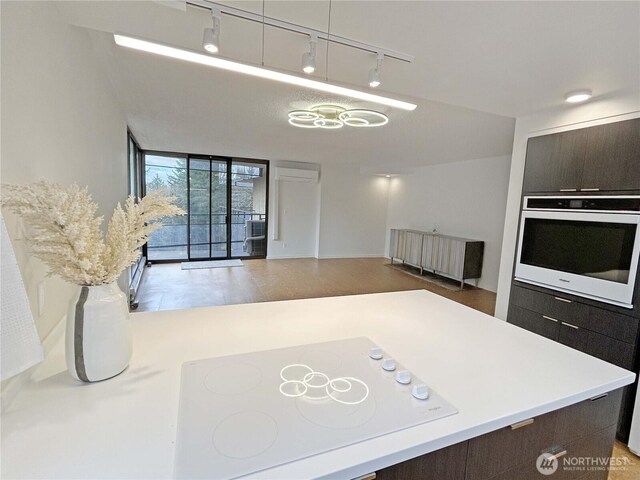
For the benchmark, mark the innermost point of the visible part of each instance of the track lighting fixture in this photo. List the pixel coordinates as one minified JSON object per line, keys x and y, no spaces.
{"x":211,"y":38}
{"x":309,"y":58}
{"x":374,"y":73}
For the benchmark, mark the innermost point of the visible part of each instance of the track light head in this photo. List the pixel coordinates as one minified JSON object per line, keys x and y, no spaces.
{"x":374,"y":73}
{"x":309,"y":58}
{"x":211,"y":37}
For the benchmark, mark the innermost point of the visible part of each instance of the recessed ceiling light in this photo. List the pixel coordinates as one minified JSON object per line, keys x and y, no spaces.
{"x":224,"y":64}
{"x":577,"y":96}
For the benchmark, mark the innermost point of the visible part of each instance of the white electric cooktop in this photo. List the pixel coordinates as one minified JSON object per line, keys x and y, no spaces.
{"x":245,"y":413}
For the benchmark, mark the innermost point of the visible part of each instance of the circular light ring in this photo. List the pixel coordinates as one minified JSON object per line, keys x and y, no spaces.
{"x":293,"y":382}
{"x":302,"y":123}
{"x":307,"y":379}
{"x":328,"y":123}
{"x":304,"y":115}
{"x":349,"y":115}
{"x":282,"y":376}
{"x":355,"y":121}
{"x":349,"y":379}
{"x":328,"y":110}
{"x":343,"y":390}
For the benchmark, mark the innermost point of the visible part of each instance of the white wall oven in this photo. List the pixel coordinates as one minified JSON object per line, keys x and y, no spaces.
{"x":587,"y":246}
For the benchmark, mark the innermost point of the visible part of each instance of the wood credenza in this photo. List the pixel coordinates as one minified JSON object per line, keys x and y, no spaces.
{"x":454,"y":257}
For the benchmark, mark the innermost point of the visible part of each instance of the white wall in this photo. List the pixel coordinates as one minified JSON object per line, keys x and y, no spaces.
{"x":610,"y":108}
{"x":463,"y":198}
{"x":60,"y":121}
{"x":352,"y":212}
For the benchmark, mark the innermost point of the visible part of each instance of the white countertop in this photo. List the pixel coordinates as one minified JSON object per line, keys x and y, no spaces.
{"x":495,"y":373}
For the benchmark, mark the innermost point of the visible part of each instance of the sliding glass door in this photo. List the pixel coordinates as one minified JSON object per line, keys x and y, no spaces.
{"x":226,"y":200}
{"x":207,"y":187}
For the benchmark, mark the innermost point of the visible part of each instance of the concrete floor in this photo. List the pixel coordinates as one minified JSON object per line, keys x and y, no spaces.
{"x":168,"y":287}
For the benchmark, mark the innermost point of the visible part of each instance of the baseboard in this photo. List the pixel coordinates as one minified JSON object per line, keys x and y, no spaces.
{"x":12,"y":386}
{"x":286,"y":257}
{"x":355,"y":255}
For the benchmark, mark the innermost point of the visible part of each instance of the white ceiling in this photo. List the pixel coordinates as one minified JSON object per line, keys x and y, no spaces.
{"x":506,"y":58}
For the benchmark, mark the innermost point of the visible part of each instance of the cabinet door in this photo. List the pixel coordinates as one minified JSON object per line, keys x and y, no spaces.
{"x":554,"y":162}
{"x":413,"y":248}
{"x":428,"y":259}
{"x":445,"y":464}
{"x":612,"y":157}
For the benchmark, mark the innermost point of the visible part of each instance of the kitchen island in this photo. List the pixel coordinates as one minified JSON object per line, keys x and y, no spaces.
{"x":497,"y":375}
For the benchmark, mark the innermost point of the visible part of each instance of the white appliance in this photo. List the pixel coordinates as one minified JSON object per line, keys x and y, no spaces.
{"x":587,"y":246}
{"x":245,"y":413}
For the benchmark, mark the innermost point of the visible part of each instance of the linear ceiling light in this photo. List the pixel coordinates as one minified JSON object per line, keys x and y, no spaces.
{"x":217,"y":62}
{"x":309,"y":58}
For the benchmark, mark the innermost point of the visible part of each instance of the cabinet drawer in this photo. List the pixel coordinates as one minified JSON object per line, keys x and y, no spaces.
{"x":611,"y":324}
{"x":534,"y":322}
{"x":506,"y":448}
{"x":445,"y":464}
{"x":599,"y":346}
{"x":587,"y":417}
{"x":597,"y":445}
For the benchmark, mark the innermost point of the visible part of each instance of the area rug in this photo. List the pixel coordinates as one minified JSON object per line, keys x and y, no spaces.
{"x":443,"y":282}
{"x":212,"y":264}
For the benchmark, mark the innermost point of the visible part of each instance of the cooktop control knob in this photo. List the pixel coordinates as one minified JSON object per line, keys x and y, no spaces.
{"x":403,"y":377}
{"x":389,"y":364}
{"x":375,"y":353}
{"x":420,"y":391}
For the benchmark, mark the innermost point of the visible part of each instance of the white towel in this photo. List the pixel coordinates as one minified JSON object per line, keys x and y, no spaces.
{"x":20,"y":346}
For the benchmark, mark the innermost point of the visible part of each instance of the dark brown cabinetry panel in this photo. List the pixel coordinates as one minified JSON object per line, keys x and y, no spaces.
{"x":560,"y":307}
{"x":445,"y":464}
{"x":554,"y":162}
{"x":612,"y":156}
{"x":600,"y":346}
{"x":534,"y":322}
{"x":585,"y":429}
{"x":601,"y":158}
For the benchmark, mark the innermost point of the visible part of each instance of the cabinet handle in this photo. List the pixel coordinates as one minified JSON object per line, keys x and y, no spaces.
{"x":549,"y":318}
{"x":568,"y":189}
{"x":569,"y":325}
{"x":598,"y":397}
{"x":521,"y":424}
{"x":589,"y":189}
{"x":563,"y":300}
{"x":558,"y":455}
{"x":368,"y":476}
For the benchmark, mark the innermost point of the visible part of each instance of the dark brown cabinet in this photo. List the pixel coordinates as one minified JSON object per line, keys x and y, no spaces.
{"x":585,"y":429}
{"x":597,"y":331}
{"x":554,"y":162}
{"x":612,"y":157}
{"x":601,"y":158}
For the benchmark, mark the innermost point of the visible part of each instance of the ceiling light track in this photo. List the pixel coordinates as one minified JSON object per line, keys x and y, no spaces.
{"x":292,"y":27}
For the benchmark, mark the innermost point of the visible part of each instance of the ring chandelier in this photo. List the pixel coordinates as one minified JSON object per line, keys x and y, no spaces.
{"x":333,"y":117}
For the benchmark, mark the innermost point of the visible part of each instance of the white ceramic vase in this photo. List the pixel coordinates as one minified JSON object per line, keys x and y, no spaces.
{"x":98,"y":341}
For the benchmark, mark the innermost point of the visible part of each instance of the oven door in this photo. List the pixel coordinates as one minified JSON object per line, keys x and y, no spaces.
{"x":593,"y":255}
